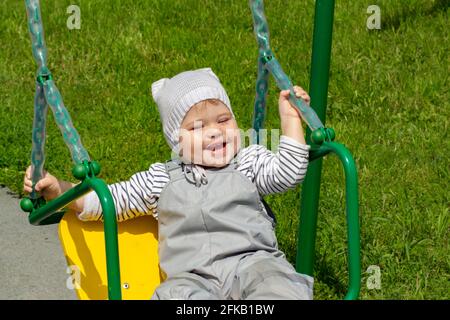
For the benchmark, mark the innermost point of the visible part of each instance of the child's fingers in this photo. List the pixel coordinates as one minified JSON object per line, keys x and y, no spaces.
{"x":42,"y":184}
{"x":28,"y":173}
{"x":284,"y":95}
{"x":28,"y":183}
{"x":305,"y":97}
{"x":301,"y":93}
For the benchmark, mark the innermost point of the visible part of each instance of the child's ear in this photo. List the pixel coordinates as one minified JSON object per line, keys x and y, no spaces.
{"x":156,"y":87}
{"x":210,"y":72}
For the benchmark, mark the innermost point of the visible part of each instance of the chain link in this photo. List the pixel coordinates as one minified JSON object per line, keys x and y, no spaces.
{"x":47,"y":94}
{"x":268,"y":63}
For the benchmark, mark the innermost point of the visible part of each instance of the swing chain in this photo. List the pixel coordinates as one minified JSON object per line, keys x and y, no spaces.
{"x":268,"y":63}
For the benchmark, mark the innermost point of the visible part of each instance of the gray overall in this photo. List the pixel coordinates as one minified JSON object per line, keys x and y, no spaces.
{"x":216,"y":241}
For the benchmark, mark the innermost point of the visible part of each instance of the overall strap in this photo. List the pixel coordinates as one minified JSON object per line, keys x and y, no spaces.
{"x":173,"y":168}
{"x":234,"y":163}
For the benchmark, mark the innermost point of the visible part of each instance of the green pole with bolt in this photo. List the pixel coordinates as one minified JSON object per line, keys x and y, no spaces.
{"x":321,"y":142}
{"x":318,"y":137}
{"x":320,"y":66}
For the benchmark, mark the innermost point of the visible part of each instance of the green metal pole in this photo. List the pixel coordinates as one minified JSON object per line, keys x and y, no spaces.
{"x":320,"y":66}
{"x":45,"y":213}
{"x":41,"y":215}
{"x":352,"y":214}
{"x":111,"y":241}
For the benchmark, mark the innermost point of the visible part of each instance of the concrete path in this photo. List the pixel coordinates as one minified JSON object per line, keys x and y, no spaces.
{"x":32,"y":263}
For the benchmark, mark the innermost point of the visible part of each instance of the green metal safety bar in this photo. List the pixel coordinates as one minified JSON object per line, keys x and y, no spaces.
{"x":42,"y":213}
{"x":323,"y":145}
{"x":319,"y":137}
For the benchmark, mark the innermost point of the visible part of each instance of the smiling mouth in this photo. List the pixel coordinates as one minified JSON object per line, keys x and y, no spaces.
{"x":216,"y":147}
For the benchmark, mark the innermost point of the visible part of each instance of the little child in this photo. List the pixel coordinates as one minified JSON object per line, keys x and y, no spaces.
{"x":216,"y":237}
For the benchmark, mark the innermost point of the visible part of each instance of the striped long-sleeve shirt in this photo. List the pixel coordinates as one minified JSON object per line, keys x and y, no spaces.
{"x":270,"y":172}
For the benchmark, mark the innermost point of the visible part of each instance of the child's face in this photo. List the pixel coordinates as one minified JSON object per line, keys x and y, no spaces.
{"x":209,"y":134}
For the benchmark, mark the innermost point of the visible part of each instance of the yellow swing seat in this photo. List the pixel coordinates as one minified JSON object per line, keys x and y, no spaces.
{"x":84,"y":248}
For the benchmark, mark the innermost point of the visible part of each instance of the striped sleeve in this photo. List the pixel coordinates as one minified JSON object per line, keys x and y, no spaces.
{"x":133,"y":198}
{"x":276,"y":172}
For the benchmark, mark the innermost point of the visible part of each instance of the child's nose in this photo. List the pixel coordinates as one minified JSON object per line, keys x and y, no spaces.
{"x":213,"y":132}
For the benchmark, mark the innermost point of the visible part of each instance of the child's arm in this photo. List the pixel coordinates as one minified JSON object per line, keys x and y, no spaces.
{"x":291,"y":123}
{"x":276,"y":172}
{"x":285,"y":169}
{"x":132,"y":198}
{"x":51,"y":187}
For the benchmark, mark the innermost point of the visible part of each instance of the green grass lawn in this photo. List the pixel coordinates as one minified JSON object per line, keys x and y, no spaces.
{"x":388,"y":103}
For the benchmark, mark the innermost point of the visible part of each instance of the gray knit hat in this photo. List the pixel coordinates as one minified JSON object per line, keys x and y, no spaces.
{"x":175,"y":96}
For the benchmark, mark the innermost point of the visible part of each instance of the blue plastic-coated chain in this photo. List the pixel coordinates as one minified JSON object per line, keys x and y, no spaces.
{"x":47,"y":94}
{"x":259,"y":112}
{"x":270,"y":63}
{"x":38,"y":136}
{"x":283,"y":82}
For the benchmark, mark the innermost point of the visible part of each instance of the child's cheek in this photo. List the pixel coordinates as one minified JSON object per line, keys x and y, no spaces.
{"x":237,"y":143}
{"x":186,"y":140}
{"x":196,"y":147}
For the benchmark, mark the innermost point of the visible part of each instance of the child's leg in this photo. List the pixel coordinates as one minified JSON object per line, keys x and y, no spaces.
{"x":187,"y":286}
{"x":266,"y":277}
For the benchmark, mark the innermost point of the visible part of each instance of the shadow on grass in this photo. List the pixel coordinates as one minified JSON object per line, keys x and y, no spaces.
{"x":327,"y":275}
{"x":394,"y":20}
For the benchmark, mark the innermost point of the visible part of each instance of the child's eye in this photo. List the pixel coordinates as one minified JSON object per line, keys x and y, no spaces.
{"x":198,"y":127}
{"x":223,"y":120}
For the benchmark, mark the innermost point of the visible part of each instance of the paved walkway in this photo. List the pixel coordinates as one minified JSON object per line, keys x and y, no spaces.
{"x":32,"y":263}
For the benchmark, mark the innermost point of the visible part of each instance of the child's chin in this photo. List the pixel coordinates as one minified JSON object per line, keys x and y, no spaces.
{"x":217,"y":162}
